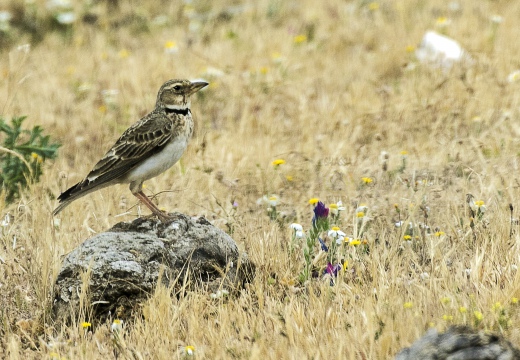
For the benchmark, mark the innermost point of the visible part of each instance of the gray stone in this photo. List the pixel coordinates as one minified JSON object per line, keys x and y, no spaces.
{"x":123,"y":265}
{"x":460,"y":343}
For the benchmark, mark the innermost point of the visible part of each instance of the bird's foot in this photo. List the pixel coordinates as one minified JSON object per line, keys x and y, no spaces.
{"x":165,"y":217}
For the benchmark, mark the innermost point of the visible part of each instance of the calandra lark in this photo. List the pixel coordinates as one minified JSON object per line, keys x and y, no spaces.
{"x":146,"y":149}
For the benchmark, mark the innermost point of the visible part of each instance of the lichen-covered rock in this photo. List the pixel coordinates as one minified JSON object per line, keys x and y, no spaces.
{"x":116,"y":270}
{"x":460,"y":343}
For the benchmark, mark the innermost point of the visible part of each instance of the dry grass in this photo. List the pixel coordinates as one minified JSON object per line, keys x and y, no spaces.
{"x":328,"y":106}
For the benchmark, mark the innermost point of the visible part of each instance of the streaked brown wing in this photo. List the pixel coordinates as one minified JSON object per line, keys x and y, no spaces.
{"x":136,"y":144}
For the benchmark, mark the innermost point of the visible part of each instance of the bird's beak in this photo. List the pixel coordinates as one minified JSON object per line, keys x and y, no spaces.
{"x":196,"y":86}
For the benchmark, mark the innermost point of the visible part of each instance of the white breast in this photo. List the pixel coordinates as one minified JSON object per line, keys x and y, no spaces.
{"x":159,"y":162}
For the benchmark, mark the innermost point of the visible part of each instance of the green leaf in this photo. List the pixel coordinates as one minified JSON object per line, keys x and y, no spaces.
{"x":15,"y":175}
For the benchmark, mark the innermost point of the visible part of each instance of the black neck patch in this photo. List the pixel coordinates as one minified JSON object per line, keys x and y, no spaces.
{"x":177,"y":111}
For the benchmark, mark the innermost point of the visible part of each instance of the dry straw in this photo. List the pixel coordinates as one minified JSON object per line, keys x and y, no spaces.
{"x":328,"y":89}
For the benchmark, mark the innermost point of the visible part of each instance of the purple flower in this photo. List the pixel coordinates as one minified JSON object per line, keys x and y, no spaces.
{"x":321,"y":211}
{"x":332,"y":270}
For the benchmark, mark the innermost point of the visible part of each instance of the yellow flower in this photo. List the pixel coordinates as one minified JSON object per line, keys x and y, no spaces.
{"x":514,"y":300}
{"x":496,"y":306}
{"x":170,"y":47}
{"x":345,"y":265}
{"x":278,"y":162}
{"x":102,"y":109}
{"x":366,"y":180}
{"x":463,"y":310}
{"x":190,"y":350}
{"x":333,"y":206}
{"x":85,"y":325}
{"x":335,"y":228}
{"x":408,"y":305}
{"x":447,"y":317}
{"x":298,"y":39}
{"x":410,"y":49}
{"x":313,"y":201}
{"x":355,"y":242}
{"x":404,"y":153}
{"x":276,"y":57}
{"x":37,"y":157}
{"x":446,"y":300}
{"x":289,"y":178}
{"x":373,"y":6}
{"x":478,"y":315}
{"x":407,"y":237}
{"x":440,"y":233}
{"x":123,"y":53}
{"x":479,"y":203}
{"x":360,"y":214}
{"x":442,"y":21}
{"x":264,"y":70}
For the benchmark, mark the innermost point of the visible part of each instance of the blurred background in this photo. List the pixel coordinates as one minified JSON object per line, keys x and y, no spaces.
{"x":393,"y":109}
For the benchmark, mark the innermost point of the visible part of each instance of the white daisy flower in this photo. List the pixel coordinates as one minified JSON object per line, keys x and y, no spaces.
{"x":273,"y":200}
{"x":117,"y":325}
{"x":336,"y":208}
{"x":336,"y":232}
{"x":514,"y":76}
{"x":296,"y":227}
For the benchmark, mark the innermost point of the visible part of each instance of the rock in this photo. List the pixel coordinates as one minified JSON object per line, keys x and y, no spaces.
{"x":441,"y":51}
{"x":123,"y":265}
{"x":460,"y":343}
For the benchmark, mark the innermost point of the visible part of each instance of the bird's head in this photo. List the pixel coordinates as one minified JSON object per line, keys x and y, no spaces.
{"x":175,"y":94}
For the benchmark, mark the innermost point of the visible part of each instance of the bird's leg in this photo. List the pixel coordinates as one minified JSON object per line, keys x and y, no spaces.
{"x":137,"y":190}
{"x":150,"y":205}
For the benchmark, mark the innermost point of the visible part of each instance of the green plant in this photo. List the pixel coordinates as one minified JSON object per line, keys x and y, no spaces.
{"x":22,"y":155}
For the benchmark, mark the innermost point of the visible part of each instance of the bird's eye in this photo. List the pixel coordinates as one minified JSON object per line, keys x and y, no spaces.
{"x":176,"y":88}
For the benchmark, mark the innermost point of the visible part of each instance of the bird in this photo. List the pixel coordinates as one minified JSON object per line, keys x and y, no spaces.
{"x":146,"y":149}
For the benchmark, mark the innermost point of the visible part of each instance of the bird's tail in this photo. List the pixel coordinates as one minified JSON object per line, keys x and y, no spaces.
{"x":62,"y":206}
{"x":73,"y":193}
